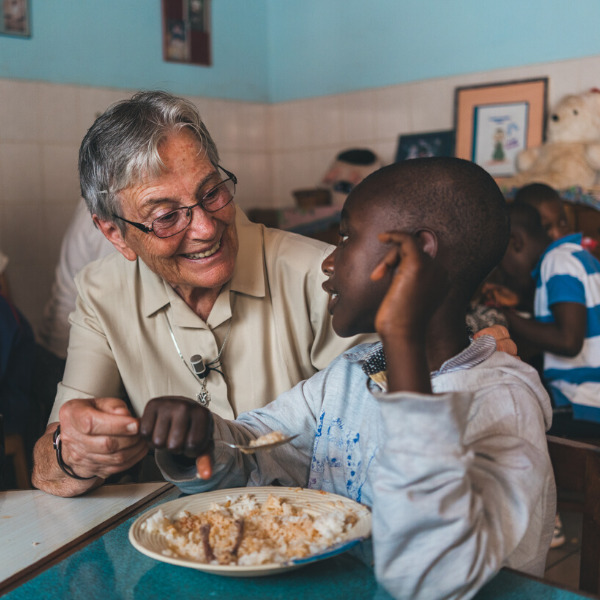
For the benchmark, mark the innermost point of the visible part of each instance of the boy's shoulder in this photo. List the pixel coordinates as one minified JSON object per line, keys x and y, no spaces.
{"x":568,"y":257}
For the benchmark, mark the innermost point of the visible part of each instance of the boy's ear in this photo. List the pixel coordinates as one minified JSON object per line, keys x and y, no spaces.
{"x":428,"y":241}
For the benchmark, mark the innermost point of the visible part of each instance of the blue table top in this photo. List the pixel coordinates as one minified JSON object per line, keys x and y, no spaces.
{"x":110,"y":568}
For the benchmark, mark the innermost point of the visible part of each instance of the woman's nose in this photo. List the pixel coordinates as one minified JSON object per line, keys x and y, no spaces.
{"x":202,"y":223}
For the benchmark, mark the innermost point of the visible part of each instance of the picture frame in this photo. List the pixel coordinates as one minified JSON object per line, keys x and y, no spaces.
{"x":431,"y":143}
{"x":15,"y":18}
{"x":494,"y":122}
{"x":186,"y":31}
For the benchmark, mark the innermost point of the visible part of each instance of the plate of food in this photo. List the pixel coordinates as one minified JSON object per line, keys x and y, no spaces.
{"x":249,"y":532}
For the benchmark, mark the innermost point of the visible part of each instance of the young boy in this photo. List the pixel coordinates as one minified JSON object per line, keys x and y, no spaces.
{"x":443,"y":438}
{"x":548,"y":203}
{"x":566,"y":280}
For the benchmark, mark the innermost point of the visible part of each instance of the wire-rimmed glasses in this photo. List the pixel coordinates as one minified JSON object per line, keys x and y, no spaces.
{"x":177,"y":220}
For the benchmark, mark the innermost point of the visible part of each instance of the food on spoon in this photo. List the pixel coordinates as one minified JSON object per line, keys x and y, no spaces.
{"x":242,"y":531}
{"x":267,"y":438}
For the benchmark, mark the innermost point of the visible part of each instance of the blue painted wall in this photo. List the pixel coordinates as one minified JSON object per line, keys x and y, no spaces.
{"x":332,"y":46}
{"x":118,"y":43}
{"x":275,"y":50}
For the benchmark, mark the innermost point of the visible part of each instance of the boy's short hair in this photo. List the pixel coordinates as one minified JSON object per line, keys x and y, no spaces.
{"x":537,"y":193}
{"x":460,"y":202}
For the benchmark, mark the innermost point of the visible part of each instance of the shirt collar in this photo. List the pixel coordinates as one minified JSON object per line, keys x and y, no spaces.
{"x":573,"y":238}
{"x":248,"y":275}
{"x":372,"y":358}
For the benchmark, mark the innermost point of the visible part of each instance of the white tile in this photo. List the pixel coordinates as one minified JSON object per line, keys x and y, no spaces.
{"x":60,"y":176}
{"x":60,"y":113}
{"x":254,"y":177}
{"x":385,"y":150}
{"x":325,"y":121}
{"x":20,"y":172}
{"x":290,"y":125}
{"x":252,"y":119}
{"x":291,"y":171}
{"x":358,"y":117}
{"x":393,"y":114}
{"x":93,"y":102}
{"x":22,"y":233}
{"x":226,"y":131}
{"x":321,"y":161}
{"x":432,"y":105}
{"x":19,"y":117}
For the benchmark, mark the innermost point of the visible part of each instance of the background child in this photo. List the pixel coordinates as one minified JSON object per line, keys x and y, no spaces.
{"x":548,"y":203}
{"x":443,"y":438}
{"x":565,"y":280}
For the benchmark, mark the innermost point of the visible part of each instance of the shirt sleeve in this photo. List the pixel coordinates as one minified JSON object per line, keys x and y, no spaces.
{"x":293,"y":412}
{"x":447,"y":512}
{"x":91,"y":370}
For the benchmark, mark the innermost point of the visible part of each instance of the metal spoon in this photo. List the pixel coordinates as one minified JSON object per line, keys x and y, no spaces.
{"x":247,"y":449}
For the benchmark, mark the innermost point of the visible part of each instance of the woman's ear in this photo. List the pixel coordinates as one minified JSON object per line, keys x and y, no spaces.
{"x":113,"y":234}
{"x":428,"y":241}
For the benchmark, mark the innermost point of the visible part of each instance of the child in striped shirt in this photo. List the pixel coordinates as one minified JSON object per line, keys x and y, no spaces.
{"x":564,"y":280}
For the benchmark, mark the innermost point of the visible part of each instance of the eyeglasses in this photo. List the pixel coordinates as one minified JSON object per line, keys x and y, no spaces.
{"x":177,"y":220}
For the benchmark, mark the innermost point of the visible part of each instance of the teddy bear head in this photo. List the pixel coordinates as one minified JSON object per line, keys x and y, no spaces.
{"x":576,"y":118}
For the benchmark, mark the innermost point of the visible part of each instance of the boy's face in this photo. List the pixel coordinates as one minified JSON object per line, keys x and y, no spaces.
{"x":354,"y":298}
{"x":554,"y":219}
{"x":519,"y":261}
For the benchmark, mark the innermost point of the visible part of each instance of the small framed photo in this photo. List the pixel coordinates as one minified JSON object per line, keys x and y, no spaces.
{"x":417,"y":145}
{"x":494,"y":122}
{"x":15,"y":17}
{"x":186,"y":31}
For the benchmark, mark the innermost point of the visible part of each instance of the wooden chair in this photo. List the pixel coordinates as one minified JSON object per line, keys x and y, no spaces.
{"x":577,"y":472}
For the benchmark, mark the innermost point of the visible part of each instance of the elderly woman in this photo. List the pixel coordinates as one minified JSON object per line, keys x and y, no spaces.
{"x":198,"y":302}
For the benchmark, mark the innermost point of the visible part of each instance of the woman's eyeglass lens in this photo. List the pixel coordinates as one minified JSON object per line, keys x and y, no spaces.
{"x":177,"y":220}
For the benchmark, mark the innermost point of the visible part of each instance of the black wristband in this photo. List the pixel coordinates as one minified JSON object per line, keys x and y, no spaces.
{"x":65,"y":468}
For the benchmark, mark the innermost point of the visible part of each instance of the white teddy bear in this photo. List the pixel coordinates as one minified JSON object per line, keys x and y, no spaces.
{"x":571,"y":154}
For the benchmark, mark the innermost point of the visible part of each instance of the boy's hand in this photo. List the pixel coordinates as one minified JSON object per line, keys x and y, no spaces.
{"x":178,"y":425}
{"x":418,"y":287}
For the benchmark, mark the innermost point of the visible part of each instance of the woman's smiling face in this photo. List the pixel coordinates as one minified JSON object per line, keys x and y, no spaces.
{"x":201,"y":256}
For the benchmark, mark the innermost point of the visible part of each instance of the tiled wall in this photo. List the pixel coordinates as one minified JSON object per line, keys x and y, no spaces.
{"x":273,"y":149}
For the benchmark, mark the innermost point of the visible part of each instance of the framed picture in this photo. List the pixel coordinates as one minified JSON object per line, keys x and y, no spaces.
{"x":15,"y":18}
{"x":494,"y":122}
{"x":416,"y":145}
{"x":186,"y":31}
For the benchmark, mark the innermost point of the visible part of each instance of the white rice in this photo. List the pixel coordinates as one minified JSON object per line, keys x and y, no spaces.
{"x":272,"y":532}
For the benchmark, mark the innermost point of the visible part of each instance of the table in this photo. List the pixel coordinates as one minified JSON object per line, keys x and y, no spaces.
{"x":101,"y":564}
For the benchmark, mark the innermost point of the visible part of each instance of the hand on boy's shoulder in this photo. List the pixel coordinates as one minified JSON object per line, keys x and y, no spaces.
{"x":419,"y":285}
{"x":504,"y":343}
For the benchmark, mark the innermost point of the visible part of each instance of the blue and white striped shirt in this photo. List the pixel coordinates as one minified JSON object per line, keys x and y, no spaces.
{"x":568,"y":273}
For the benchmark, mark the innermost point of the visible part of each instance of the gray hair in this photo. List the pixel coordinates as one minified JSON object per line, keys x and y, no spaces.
{"x":121,"y":147}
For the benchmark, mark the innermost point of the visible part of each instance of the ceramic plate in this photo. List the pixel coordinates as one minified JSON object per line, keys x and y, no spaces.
{"x":152,"y":544}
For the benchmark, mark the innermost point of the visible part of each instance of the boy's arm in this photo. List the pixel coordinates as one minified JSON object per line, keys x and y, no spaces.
{"x":417,"y":288}
{"x":214,"y":465}
{"x":456,"y":499}
{"x":565,"y":336}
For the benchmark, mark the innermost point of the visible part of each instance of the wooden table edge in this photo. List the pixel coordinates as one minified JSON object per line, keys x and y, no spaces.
{"x":33,"y":570}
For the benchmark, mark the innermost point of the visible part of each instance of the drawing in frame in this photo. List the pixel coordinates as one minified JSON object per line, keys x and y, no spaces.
{"x":15,"y":18}
{"x":432,"y":143}
{"x":494,"y":122}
